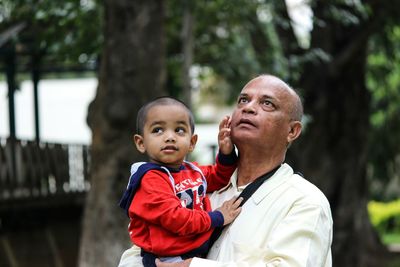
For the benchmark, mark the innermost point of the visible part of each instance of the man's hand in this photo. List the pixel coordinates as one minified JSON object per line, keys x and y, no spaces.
{"x":185,"y":263}
{"x":230,"y":209}
{"x":224,"y":136}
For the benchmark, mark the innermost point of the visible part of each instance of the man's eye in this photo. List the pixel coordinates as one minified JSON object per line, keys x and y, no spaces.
{"x":157,"y":130}
{"x":268,"y":103}
{"x":242,"y":100}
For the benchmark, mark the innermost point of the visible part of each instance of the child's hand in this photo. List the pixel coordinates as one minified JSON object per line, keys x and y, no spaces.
{"x":185,"y":263}
{"x":230,"y":209}
{"x":224,"y":136}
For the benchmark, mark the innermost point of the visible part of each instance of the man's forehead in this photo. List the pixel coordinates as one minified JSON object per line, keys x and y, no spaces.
{"x":266,"y":87}
{"x":258,"y":91}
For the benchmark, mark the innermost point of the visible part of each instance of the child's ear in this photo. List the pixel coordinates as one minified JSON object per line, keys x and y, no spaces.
{"x":138,"y":139}
{"x":193,"y":141}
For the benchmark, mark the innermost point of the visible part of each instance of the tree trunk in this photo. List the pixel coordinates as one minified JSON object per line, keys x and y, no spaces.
{"x":187,"y":45}
{"x":132,"y":72}
{"x":333,"y":149}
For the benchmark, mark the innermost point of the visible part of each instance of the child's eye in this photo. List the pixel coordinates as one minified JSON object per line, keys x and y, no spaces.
{"x":180,"y":130}
{"x":157,"y":130}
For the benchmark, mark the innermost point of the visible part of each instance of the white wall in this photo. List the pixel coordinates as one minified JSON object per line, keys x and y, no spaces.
{"x":63,"y":109}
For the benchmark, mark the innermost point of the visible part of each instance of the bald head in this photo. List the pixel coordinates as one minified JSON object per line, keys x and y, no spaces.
{"x":295,"y":107}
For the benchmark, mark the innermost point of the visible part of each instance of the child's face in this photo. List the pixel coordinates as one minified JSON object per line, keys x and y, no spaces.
{"x":167,"y":137}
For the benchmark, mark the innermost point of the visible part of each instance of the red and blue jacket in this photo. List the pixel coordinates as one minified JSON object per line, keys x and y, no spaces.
{"x":169,"y":211}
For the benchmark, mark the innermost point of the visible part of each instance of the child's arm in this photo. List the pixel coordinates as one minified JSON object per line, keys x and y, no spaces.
{"x":156,"y":203}
{"x":230,"y":209}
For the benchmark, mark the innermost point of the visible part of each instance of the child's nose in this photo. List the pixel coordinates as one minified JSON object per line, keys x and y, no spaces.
{"x":170,"y":137}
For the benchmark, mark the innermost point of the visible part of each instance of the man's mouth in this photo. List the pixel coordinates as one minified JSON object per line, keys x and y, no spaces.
{"x":246,"y":122}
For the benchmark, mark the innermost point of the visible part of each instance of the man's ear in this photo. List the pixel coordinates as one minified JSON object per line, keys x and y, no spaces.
{"x":138,"y":139}
{"x":193,"y":141}
{"x":295,"y":131}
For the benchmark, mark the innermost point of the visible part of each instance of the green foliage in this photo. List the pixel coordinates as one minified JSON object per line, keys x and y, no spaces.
{"x":391,"y":238}
{"x":236,"y":39}
{"x":210,"y":85}
{"x":385,"y":216}
{"x":221,"y":41}
{"x":383,"y":81}
{"x":233,"y":41}
{"x":60,"y":32}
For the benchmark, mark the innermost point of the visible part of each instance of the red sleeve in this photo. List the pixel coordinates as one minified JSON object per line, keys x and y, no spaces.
{"x":155,"y":202}
{"x":219,"y":174}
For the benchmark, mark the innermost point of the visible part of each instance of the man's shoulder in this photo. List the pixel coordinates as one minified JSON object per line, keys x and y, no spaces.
{"x":307,"y":191}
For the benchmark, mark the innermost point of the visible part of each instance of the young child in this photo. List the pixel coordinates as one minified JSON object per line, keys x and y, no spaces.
{"x":170,"y":214}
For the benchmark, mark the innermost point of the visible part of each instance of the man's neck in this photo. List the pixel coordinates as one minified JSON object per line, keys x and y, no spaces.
{"x":253,"y":165}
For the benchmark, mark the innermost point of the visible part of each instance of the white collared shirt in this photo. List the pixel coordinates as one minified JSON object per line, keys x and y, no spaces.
{"x":287,"y":222}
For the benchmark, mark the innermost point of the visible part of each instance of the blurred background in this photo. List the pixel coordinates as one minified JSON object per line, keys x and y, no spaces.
{"x":74,"y":73}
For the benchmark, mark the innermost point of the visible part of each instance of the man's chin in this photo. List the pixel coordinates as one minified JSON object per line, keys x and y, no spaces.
{"x":243,"y":137}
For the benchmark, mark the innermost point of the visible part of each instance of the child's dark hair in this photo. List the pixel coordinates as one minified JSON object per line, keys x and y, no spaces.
{"x":160,"y":101}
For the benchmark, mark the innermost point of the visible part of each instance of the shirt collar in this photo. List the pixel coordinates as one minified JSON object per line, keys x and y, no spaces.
{"x":233,"y":181}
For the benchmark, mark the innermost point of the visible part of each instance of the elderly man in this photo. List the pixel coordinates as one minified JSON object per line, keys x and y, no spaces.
{"x":287,"y":221}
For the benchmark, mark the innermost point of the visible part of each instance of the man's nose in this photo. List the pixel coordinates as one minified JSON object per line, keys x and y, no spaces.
{"x":250,"y":107}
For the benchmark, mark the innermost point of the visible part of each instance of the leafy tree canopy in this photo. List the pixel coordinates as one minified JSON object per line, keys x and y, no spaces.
{"x":234,"y":40}
{"x":384,"y":84}
{"x":59,"y":33}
